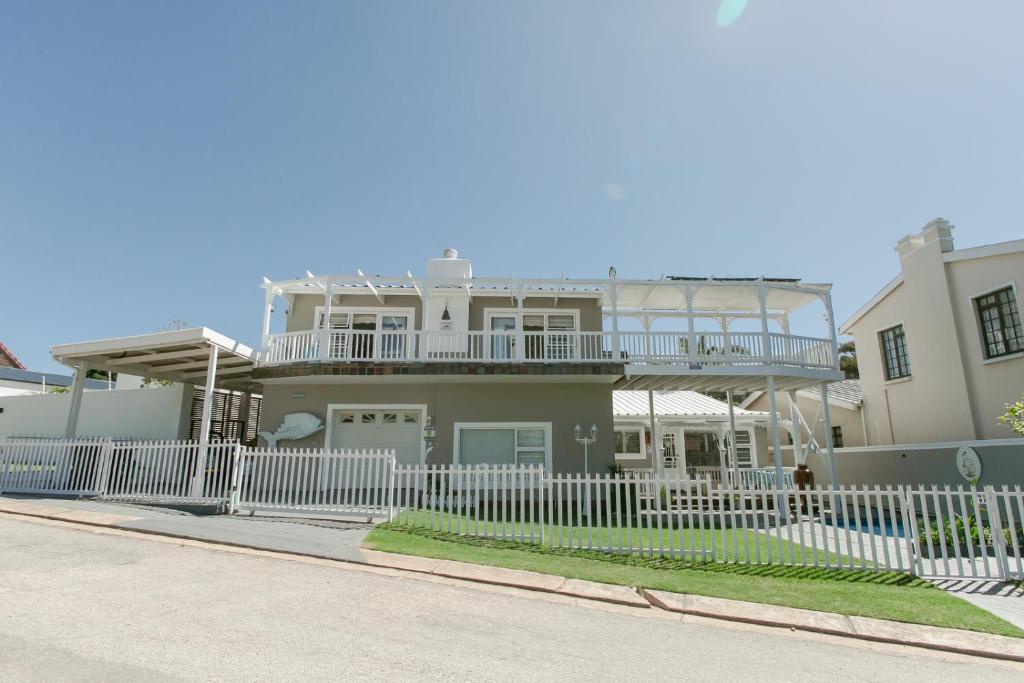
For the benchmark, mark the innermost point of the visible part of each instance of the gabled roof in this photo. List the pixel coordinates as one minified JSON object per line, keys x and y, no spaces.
{"x":871,"y":303}
{"x":12,"y":359}
{"x":629,"y":403}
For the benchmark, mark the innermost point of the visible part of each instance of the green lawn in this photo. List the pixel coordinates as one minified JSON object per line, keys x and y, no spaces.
{"x":872,"y":594}
{"x":733,"y":545}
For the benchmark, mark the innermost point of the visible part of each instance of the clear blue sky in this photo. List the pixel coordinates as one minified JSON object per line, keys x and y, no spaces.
{"x":156,"y":159}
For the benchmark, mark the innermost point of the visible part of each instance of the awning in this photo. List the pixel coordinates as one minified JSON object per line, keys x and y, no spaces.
{"x":177,"y":355}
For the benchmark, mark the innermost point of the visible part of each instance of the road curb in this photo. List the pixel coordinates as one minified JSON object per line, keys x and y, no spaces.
{"x":861,"y":628}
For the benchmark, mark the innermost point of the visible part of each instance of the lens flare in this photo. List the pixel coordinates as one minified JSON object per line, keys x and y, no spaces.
{"x":729,"y":11}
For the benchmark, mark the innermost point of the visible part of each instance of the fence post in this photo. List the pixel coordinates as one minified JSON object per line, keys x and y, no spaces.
{"x":995,"y":524}
{"x":910,"y":529}
{"x":236,"y":465}
{"x":540,"y":500}
{"x":390,"y":500}
{"x":106,"y":462}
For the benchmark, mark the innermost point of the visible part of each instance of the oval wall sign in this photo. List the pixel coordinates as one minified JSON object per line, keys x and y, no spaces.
{"x":969,"y":463}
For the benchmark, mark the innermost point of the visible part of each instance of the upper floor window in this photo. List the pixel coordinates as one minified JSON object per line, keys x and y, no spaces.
{"x":837,"y":436}
{"x":1000,"y":323}
{"x":894,"y":352}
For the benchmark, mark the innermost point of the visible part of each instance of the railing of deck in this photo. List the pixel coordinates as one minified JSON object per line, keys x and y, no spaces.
{"x":634,"y":348}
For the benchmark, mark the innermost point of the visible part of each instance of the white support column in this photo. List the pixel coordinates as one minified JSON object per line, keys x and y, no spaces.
{"x":204,"y":425}
{"x":616,"y":342}
{"x":726,"y":341}
{"x":795,"y":428}
{"x":830,"y":321}
{"x":656,"y":462}
{"x":829,"y":446}
{"x":766,"y":340}
{"x":645,"y":321}
{"x":732,"y":440}
{"x":691,"y":335}
{"x":520,"y":333}
{"x":325,"y":328}
{"x":77,"y":387}
{"x":421,"y":334}
{"x":776,"y":442}
{"x":268,"y":305}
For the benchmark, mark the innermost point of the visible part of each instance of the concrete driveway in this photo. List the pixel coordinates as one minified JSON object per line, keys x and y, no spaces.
{"x":83,"y":604}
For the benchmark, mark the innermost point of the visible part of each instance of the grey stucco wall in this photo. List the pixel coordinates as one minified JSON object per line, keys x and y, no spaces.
{"x":562,"y":404}
{"x":898,"y":465}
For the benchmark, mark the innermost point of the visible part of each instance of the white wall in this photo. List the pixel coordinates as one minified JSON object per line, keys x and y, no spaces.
{"x":154,"y":413}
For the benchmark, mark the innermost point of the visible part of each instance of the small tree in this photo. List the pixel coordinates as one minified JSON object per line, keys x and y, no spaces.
{"x":848,"y":360}
{"x":1014,"y":417}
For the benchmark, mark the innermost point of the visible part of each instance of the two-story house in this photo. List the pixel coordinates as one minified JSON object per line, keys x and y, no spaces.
{"x":450,"y":367}
{"x":940,"y":348}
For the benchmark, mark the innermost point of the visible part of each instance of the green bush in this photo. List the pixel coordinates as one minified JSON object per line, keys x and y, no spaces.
{"x":964,"y":530}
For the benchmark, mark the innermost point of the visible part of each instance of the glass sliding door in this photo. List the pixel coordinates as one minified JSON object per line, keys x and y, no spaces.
{"x":363,"y":327}
{"x":393,"y":345}
{"x":503,"y":341}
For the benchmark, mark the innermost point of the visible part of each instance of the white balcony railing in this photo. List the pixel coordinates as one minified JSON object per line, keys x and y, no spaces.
{"x":702,"y":350}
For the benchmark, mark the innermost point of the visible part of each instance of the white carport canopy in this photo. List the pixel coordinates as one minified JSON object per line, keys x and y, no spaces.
{"x":194,"y":356}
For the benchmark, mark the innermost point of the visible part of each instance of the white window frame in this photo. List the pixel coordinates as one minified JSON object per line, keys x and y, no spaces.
{"x":514,"y":313}
{"x":379,"y":310}
{"x":642,"y":431}
{"x":1012,"y":285}
{"x":333,"y":408}
{"x":546,"y":426}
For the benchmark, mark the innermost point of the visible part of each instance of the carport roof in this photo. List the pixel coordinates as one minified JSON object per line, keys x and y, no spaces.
{"x":177,"y":355}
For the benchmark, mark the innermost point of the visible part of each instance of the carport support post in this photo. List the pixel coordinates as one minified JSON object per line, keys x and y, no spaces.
{"x":71,"y":430}
{"x":204,"y":425}
{"x":659,"y":468}
{"x":829,"y":446}
{"x":732,"y":440}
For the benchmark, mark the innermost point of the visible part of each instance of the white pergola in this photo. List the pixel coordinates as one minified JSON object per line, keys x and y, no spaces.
{"x":190,"y":356}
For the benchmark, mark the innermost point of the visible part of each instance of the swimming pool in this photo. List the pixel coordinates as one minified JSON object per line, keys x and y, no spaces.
{"x":885,"y":527}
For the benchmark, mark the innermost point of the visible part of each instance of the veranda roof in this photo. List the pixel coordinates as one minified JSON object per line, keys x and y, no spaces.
{"x":177,"y":355}
{"x":627,"y":403}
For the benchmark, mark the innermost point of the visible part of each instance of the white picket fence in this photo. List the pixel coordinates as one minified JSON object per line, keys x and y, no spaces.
{"x":904,"y":529}
{"x":315,"y":480}
{"x":926,"y":531}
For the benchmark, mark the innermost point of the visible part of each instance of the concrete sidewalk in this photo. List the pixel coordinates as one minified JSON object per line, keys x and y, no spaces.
{"x":338,"y":540}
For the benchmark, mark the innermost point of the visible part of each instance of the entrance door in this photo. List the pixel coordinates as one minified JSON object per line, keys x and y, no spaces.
{"x":673,"y":458}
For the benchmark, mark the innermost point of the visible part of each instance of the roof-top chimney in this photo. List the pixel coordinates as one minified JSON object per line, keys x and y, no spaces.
{"x":938,"y":230}
{"x":449,"y":266}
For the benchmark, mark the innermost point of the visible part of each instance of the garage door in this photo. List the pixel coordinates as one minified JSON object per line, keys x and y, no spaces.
{"x":380,"y":428}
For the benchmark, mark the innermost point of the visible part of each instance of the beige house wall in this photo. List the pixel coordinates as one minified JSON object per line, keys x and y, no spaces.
{"x":562,"y":404}
{"x":849,"y":420}
{"x":952,"y":394}
{"x":991,"y":384}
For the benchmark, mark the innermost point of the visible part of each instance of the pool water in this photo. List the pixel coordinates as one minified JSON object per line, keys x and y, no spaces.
{"x":888,"y":528}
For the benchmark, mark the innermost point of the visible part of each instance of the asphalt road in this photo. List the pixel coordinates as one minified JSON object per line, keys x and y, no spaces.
{"x":82,"y":605}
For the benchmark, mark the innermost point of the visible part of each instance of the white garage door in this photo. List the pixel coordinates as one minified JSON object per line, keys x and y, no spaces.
{"x":380,"y":428}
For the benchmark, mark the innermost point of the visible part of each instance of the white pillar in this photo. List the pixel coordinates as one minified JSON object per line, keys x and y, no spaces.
{"x":269,"y":304}
{"x":766,"y":340}
{"x":77,"y":386}
{"x":520,"y":332}
{"x":830,"y":321}
{"x":691,"y":336}
{"x":656,"y":462}
{"x":732,"y":440}
{"x":616,"y":342}
{"x":832,"y":473}
{"x":325,"y":329}
{"x":776,"y":442}
{"x":204,"y":424}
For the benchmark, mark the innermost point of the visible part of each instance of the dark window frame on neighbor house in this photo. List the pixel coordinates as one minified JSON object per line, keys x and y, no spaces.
{"x":837,"y":436}
{"x":999,"y":323}
{"x":895,"y":355}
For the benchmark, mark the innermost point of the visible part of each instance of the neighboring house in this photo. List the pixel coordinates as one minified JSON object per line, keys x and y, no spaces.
{"x":454,"y":368}
{"x":940,"y":348}
{"x":846,"y":400}
{"x":18,"y":381}
{"x":694,"y":430}
{"x":8,"y":359}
